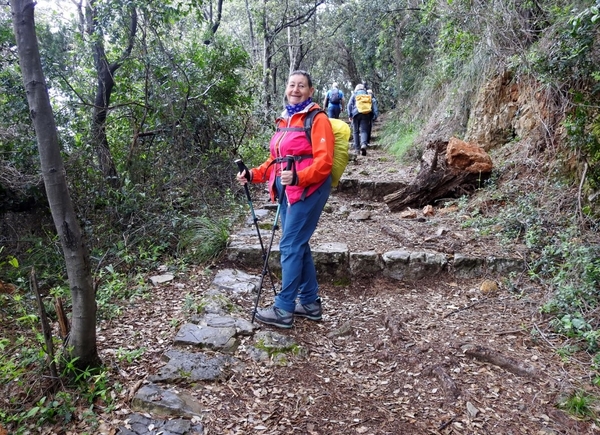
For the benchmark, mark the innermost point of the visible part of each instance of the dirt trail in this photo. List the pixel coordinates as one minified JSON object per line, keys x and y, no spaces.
{"x":399,"y":358}
{"x":443,"y":356}
{"x":440,"y":356}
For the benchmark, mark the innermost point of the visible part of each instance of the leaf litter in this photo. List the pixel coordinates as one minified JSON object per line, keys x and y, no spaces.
{"x":437,"y":356}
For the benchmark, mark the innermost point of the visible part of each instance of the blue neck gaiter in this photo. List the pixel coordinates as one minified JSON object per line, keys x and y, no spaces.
{"x":295,"y":108}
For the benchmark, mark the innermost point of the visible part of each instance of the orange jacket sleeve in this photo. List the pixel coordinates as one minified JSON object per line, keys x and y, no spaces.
{"x":261,"y":173}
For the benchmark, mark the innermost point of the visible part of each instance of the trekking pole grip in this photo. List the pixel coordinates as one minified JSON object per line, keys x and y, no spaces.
{"x":290,"y":162}
{"x":242,"y":167}
{"x":289,"y":165}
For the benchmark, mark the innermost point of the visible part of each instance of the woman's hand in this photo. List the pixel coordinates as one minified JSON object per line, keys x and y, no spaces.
{"x":244,"y":176}
{"x":287,"y":177}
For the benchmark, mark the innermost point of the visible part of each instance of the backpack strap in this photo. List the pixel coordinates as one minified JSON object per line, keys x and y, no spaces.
{"x":299,"y":157}
{"x":308,"y":122}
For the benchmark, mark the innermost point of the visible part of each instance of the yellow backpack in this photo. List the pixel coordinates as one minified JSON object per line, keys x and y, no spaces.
{"x":364,"y":103}
{"x":341,"y":132}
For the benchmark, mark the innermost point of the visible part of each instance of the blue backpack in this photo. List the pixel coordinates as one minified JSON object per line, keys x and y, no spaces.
{"x":334,"y":96}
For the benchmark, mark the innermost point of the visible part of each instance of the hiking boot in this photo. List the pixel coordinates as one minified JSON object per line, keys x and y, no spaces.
{"x":363,"y":149}
{"x":275,"y":316}
{"x":312,"y":311}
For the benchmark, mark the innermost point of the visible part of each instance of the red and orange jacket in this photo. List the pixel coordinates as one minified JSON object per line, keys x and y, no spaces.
{"x":314,"y":167}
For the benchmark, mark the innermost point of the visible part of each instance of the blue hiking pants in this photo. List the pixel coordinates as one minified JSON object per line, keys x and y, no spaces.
{"x":298,"y":223}
{"x":361,"y":123}
{"x":334,"y":110}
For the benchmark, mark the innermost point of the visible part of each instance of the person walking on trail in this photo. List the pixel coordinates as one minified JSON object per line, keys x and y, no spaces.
{"x":359,"y":113}
{"x":306,"y":188}
{"x":334,"y":101}
{"x":374,"y":114}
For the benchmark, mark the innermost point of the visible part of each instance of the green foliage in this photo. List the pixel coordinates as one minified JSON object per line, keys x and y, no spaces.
{"x":580,"y":404}
{"x":343,"y":281}
{"x":203,"y":239}
{"x":256,"y":150}
{"x":181,"y":112}
{"x":8,"y":260}
{"x":573,"y":269}
{"x":563,"y":256}
{"x":274,"y":351}
{"x":94,"y":385}
{"x":192,"y":306}
{"x":398,"y":137}
{"x":566,"y":351}
{"x":570,"y":63}
{"x":455,"y":47}
{"x":583,"y":129}
{"x":116,"y":287}
{"x":17,"y":144}
{"x":571,"y":325}
{"x":28,"y":403}
{"x":58,"y":408}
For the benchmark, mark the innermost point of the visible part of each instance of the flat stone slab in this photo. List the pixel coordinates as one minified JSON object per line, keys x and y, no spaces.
{"x":165,"y":402}
{"x":242,"y":326}
{"x":413,"y":265}
{"x":240,"y":251}
{"x":369,"y":189}
{"x":272,"y":345}
{"x":207,"y":337}
{"x":423,"y":264}
{"x":138,"y":424}
{"x":359,"y":215}
{"x":504,"y":266}
{"x":468,"y":267}
{"x":261,"y":215}
{"x":235,"y":281}
{"x":192,"y":367}
{"x":161,"y":279}
{"x":331,"y":259}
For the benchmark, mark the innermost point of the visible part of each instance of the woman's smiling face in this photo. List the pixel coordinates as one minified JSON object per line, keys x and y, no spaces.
{"x":298,"y":89}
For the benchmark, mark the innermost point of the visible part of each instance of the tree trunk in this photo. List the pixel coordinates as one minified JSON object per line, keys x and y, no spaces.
{"x":103,"y":93}
{"x":434,"y":181}
{"x":349,"y":66}
{"x":215,"y":22}
{"x":266,"y":60}
{"x":105,"y":72}
{"x":82,"y":340}
{"x":254,"y":49}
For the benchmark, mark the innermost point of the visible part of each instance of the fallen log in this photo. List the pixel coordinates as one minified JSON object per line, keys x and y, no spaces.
{"x":448,"y":170}
{"x":494,"y":357}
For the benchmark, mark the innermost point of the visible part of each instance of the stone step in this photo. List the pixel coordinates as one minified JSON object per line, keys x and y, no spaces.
{"x":334,"y":260}
{"x":373,"y":190}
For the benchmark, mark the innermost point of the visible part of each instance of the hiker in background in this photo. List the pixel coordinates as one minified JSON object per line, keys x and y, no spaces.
{"x":359,"y":112}
{"x":334,"y":101}
{"x":374,"y":114}
{"x":306,"y":188}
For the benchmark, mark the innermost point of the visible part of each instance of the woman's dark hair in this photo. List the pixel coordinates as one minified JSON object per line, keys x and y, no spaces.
{"x":300,"y":72}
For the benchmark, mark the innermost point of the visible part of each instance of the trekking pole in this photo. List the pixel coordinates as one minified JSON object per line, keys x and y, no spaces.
{"x":290,"y":162}
{"x":242,"y":167}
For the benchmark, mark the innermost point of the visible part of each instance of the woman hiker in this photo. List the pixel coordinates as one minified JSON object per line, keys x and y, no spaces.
{"x":306,"y":186}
